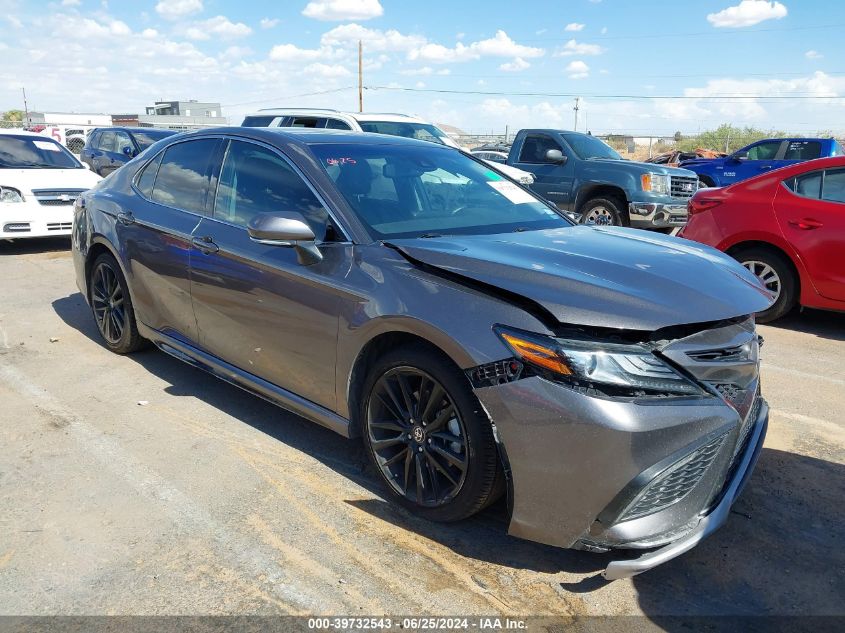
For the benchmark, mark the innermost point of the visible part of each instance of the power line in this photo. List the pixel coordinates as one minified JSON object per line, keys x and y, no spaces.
{"x":721,"y":97}
{"x":304,"y":94}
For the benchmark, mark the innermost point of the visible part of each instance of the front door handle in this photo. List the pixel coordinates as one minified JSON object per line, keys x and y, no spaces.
{"x":806,"y":224}
{"x":126,"y":218}
{"x":205,"y":244}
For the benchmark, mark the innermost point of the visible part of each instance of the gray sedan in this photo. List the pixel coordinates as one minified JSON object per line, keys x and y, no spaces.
{"x":605,"y":380}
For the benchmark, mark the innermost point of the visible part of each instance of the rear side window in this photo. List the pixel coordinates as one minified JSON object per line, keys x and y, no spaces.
{"x":307,"y":121}
{"x":255,"y":180}
{"x":808,"y":185}
{"x":803,"y":150}
{"x":258,"y":121}
{"x":148,"y":176}
{"x":184,"y":174}
{"x":107,"y":142}
{"x":833,"y":187}
{"x":337,"y":124}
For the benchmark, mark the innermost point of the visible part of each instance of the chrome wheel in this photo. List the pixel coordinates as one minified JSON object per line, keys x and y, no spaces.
{"x":767,"y":276}
{"x":107,"y":301}
{"x":417,"y":437}
{"x":599,"y":215}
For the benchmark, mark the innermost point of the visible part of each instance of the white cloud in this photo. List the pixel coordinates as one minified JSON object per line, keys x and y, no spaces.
{"x":175,"y":9}
{"x":149,"y":34}
{"x":292,"y":53}
{"x":747,"y":13}
{"x":71,"y":3}
{"x":15,"y":22}
{"x":499,"y":45}
{"x":268,"y":23}
{"x":373,"y":39}
{"x":574,"y":26}
{"x":575,"y":48}
{"x":516,"y":65}
{"x":419,"y":84}
{"x":325,"y":70}
{"x":340,"y":10}
{"x":219,"y":26}
{"x":813,"y":55}
{"x":577,"y":70}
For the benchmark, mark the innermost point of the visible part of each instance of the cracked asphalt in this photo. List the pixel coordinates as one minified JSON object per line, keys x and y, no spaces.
{"x":204,"y":499}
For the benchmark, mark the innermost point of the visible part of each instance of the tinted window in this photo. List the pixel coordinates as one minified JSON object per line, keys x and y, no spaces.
{"x":122,"y":142}
{"x":93,"y":140}
{"x":24,"y":152}
{"x":147,"y":177}
{"x":535,"y":147}
{"x":107,"y":142}
{"x":808,"y":185}
{"x":255,"y":180}
{"x":183,"y":177}
{"x":803,"y":150}
{"x":421,"y":131}
{"x":764,"y":151}
{"x":833,"y":188}
{"x":410,"y":191}
{"x":258,"y":121}
{"x":586,"y":146}
{"x":306,"y":121}
{"x":837,"y":150}
{"x":337,"y":124}
{"x":147,"y":138}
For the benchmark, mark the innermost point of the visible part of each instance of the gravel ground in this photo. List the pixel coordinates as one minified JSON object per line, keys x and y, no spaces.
{"x":207,"y":500}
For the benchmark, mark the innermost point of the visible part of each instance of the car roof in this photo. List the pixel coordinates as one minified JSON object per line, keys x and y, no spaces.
{"x":134,"y":130}
{"x":358,"y":116}
{"x":19,"y":132}
{"x":314,"y":136}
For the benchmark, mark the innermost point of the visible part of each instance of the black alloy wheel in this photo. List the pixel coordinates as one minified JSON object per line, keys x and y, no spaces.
{"x":112,"y":306}
{"x":417,"y":437}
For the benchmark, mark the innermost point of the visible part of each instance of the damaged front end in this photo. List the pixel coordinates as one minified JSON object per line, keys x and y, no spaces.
{"x":635,"y":441}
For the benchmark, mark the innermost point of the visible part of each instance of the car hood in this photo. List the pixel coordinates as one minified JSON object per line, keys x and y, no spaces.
{"x":639,"y":168}
{"x":25,"y":180}
{"x":601,"y":276}
{"x":692,"y":162}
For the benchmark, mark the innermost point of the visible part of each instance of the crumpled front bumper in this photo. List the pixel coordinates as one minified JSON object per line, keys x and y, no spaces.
{"x":572,"y":456}
{"x":650,"y":215}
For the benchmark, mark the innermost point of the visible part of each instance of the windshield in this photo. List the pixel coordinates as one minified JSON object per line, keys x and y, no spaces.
{"x":421,"y":131}
{"x":147,"y":138}
{"x":405,"y":191}
{"x":586,"y":146}
{"x":32,"y":152}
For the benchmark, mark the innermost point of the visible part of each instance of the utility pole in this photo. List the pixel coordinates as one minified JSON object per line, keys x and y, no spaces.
{"x":25,"y":109}
{"x":360,"y":76}
{"x":576,"y":108}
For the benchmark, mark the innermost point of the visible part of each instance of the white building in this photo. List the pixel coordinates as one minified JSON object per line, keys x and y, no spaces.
{"x":69,"y":119}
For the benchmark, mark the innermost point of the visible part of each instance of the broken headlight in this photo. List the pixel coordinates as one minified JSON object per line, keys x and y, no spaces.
{"x":609,"y":368}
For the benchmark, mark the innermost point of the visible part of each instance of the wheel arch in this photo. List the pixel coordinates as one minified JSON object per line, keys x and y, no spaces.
{"x":590,"y":191}
{"x":798,"y":271}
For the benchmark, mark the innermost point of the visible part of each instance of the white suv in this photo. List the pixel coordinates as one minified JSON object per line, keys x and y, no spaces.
{"x":392,"y":124}
{"x":39,"y":182}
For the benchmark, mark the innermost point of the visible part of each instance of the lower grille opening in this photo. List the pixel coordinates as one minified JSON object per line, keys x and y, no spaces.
{"x":16,"y":227}
{"x":59,"y":226}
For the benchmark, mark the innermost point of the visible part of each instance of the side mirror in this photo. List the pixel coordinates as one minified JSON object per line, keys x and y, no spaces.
{"x":555,"y":156}
{"x":286,"y":228}
{"x":128,"y":151}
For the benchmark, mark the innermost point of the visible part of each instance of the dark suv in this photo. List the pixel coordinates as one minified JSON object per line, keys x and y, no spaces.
{"x":110,"y":148}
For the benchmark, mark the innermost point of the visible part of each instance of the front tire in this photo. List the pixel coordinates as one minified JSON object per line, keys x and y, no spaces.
{"x":112,"y":306}
{"x":604,"y":212}
{"x":427,"y":435}
{"x":775,"y":273}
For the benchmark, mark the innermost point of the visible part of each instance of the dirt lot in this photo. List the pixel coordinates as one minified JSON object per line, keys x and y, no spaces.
{"x":206,"y":500}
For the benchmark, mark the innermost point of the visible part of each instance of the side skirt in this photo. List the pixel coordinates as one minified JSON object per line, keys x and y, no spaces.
{"x":246,"y":381}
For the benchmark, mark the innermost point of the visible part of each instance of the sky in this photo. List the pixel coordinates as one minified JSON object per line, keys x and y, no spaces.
{"x":644,"y":67}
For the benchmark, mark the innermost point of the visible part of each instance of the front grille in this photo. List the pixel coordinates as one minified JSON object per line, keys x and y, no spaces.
{"x":496,"y":373}
{"x":59,"y":226}
{"x":675,"y":483}
{"x":683,"y":186}
{"x":56,"y":197}
{"x":747,"y":425}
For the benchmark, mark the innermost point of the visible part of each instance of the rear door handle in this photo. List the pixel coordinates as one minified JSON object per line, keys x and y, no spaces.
{"x":205,"y":244}
{"x":806,"y":224}
{"x":126,"y":218}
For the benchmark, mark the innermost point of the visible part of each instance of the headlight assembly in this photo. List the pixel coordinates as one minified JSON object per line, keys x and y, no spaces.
{"x":10,"y":194}
{"x":656,"y":183}
{"x":613,"y":369}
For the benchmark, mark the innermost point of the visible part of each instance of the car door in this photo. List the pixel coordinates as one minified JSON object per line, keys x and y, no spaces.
{"x":257,"y":307}
{"x":99,"y":154}
{"x":155,"y":230}
{"x":811,"y":212}
{"x":753,"y":160}
{"x":552,"y":180}
{"x":87,"y":153}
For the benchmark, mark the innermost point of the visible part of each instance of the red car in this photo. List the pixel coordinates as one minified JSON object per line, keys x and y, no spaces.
{"x":787,"y":227}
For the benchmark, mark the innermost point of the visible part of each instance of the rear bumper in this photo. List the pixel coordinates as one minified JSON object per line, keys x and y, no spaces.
{"x":709,"y":523}
{"x":650,"y":215}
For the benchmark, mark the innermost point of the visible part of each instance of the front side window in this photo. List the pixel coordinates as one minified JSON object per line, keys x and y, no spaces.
{"x":764,"y":151}
{"x":803,"y":150}
{"x":420,"y":131}
{"x":401,"y":191}
{"x":107,"y":142}
{"x":123,"y":142}
{"x":259,"y":121}
{"x":256,"y":180}
{"x":184,"y":175}
{"x":306,"y":121}
{"x":34,"y":152}
{"x":535,"y":147}
{"x":337,"y":124}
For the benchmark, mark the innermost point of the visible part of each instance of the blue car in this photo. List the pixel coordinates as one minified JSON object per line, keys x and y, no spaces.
{"x":759,"y":157}
{"x":109,"y":148}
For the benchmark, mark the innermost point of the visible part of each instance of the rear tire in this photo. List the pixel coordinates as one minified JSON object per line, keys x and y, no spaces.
{"x":704,"y":181}
{"x":112,"y":306}
{"x":439,"y":459}
{"x":604,"y":212}
{"x":775,"y":272}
